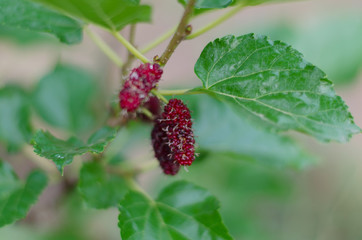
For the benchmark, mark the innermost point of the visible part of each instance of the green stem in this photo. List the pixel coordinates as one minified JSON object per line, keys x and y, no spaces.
{"x":130,"y":47}
{"x":179,"y":92}
{"x":159,"y":40}
{"x":130,"y":56}
{"x":159,"y":95}
{"x":146,"y":112}
{"x":132,"y":184}
{"x":215,"y":23}
{"x":104,"y":47}
{"x":149,"y":165}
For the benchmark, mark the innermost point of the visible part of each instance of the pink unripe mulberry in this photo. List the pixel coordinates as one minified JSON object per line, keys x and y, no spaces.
{"x":138,"y":85}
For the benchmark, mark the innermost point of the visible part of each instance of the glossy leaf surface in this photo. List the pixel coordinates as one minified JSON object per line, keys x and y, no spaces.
{"x":62,"y":152}
{"x":270,"y":82}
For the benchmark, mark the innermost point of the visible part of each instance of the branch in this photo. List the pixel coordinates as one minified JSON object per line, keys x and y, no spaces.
{"x":183,"y":30}
{"x":159,"y":40}
{"x":130,"y":47}
{"x":104,"y":47}
{"x":130,"y":56}
{"x":215,"y":23}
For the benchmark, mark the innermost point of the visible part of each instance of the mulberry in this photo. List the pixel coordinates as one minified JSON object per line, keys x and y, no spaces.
{"x":172,"y":136}
{"x":163,"y":151}
{"x":138,"y":85}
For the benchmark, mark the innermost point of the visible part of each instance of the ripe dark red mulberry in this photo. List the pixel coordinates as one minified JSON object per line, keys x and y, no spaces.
{"x":138,"y":85}
{"x":176,"y":127}
{"x":163,"y":151}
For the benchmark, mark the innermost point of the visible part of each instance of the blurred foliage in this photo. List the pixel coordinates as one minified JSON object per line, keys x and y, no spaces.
{"x":220,"y":130}
{"x":29,"y":16}
{"x":67,"y":98}
{"x":331,"y":42}
{"x":24,"y":37}
{"x":251,"y":195}
{"x":15,"y":126}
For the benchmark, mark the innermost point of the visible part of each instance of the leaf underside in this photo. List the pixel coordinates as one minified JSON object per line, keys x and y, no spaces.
{"x":110,"y":14}
{"x":219,"y":129}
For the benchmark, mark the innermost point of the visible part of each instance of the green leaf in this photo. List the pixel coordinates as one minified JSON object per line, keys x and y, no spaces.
{"x":110,"y":14}
{"x":270,"y":82}
{"x":203,"y":6}
{"x":62,"y":152}
{"x":15,"y":127}
{"x":200,"y":4}
{"x":220,"y":130}
{"x":24,"y":37}
{"x":99,"y":188}
{"x":9,"y":181}
{"x":25,"y":15}
{"x":181,"y":211}
{"x":17,"y":198}
{"x":65,"y":98}
{"x":256,"y":2}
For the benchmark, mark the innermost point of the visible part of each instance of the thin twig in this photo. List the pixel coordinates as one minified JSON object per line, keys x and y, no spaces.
{"x":159,"y":40}
{"x":159,"y":95}
{"x":130,"y":47}
{"x":166,"y":92}
{"x":130,"y":56}
{"x":215,"y":23}
{"x":183,"y":30}
{"x":104,"y":47}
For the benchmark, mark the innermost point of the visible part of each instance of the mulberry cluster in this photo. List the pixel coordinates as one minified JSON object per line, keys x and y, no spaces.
{"x":140,"y":82}
{"x":172,"y":137}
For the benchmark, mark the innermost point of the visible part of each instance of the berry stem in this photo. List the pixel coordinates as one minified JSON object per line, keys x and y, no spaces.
{"x":179,"y":92}
{"x":130,"y":47}
{"x":146,"y":112}
{"x":159,"y":95}
{"x":130,"y":56}
{"x":104,"y":47}
{"x":149,"y":165}
{"x":132,"y":184}
{"x":159,"y":40}
{"x":180,"y":34}
{"x":215,"y":23}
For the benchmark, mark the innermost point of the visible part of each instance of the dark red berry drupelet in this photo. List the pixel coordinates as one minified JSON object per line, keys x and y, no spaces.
{"x":137,"y":87}
{"x":177,"y":117}
{"x":129,"y":99}
{"x":173,"y":138}
{"x":162,"y":150}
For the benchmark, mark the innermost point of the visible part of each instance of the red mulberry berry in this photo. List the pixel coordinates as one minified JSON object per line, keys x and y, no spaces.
{"x":146,"y":76}
{"x":129,"y":99}
{"x":176,"y":122}
{"x":140,"y":82}
{"x":163,"y":151}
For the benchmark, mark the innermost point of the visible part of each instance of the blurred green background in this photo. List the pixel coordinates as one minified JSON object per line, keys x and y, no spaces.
{"x":258,"y":201}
